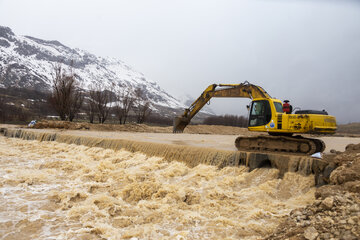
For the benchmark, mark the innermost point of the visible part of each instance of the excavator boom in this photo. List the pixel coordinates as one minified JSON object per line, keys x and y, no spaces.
{"x":242,"y":90}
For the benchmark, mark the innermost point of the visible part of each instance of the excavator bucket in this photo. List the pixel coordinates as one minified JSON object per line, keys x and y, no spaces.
{"x":179,"y":124}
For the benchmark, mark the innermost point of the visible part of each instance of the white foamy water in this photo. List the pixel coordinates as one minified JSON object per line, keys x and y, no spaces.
{"x":51,"y":190}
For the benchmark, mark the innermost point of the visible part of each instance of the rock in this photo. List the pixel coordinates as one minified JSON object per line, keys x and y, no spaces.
{"x":353,"y":186}
{"x":342,"y":221}
{"x":327,"y":203}
{"x":348,"y":236}
{"x":348,"y":227}
{"x":326,"y":236}
{"x":344,"y":174}
{"x":340,"y":199}
{"x":353,"y":147}
{"x":329,"y":220}
{"x":349,"y":147}
{"x":355,"y":219}
{"x":311,"y":233}
{"x":299,"y":218}
{"x":296,"y":213}
{"x":304,"y":223}
{"x":336,"y":233}
{"x":354,"y":208}
{"x":327,"y":191}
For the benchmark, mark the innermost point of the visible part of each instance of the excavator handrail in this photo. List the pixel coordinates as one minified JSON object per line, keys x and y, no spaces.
{"x":242,"y":90}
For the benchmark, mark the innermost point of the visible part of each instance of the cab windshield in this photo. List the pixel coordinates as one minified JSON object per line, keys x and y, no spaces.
{"x":278,"y":107}
{"x":260,"y":113}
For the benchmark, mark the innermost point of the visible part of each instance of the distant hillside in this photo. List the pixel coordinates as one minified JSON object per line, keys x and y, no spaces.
{"x":27,"y":62}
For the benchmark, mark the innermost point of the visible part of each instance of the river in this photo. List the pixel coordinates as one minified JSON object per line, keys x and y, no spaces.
{"x":52,"y":190}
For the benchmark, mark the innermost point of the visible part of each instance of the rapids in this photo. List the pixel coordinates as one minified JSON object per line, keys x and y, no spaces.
{"x":52,"y":190}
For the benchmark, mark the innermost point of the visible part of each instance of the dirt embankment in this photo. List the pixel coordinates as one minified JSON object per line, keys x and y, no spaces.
{"x":194,"y":129}
{"x":351,"y":128}
{"x":336,"y":212}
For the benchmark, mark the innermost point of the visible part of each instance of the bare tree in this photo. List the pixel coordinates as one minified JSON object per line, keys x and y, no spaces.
{"x":101,"y":98}
{"x":141,"y":105}
{"x":227,"y":120}
{"x":75,"y":103}
{"x":66,"y":97}
{"x":2,"y":109}
{"x":124,"y":103}
{"x":90,"y":109}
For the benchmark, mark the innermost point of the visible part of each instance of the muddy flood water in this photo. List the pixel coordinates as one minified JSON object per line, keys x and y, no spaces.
{"x":51,"y":190}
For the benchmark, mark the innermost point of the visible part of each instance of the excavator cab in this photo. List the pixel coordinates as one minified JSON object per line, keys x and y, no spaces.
{"x":260,"y":113}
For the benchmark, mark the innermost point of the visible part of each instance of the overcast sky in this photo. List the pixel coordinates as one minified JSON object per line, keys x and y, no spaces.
{"x":302,"y":50}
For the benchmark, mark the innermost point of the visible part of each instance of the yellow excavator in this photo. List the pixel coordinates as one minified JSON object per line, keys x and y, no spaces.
{"x":266,"y":114}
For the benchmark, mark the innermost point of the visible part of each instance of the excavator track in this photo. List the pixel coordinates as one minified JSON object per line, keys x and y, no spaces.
{"x":320,"y":145}
{"x":296,"y":144}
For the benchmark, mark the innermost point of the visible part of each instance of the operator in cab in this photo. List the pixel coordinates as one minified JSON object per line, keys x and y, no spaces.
{"x":287,"y":108}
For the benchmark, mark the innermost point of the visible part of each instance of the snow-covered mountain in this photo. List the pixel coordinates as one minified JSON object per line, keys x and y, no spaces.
{"x":27,"y":62}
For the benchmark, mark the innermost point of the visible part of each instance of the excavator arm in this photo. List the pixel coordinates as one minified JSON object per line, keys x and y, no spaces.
{"x":242,"y":90}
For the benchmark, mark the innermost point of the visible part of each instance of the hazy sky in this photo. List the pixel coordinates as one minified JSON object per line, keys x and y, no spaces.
{"x":307,"y":51}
